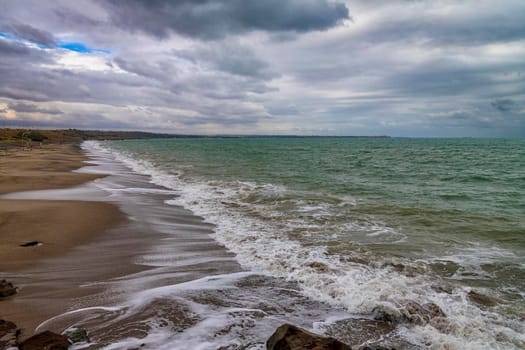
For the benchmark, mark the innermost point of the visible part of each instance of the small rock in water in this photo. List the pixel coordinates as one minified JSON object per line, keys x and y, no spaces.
{"x":45,"y":341}
{"x":30,"y":244}
{"x":319,"y":266}
{"x":442,"y":288}
{"x":410,"y":312}
{"x":77,"y":335}
{"x":6,"y":289}
{"x":481,"y":299}
{"x":288,"y":337}
{"x":8,"y":334}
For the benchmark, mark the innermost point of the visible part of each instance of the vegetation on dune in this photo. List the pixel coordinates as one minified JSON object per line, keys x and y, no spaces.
{"x":32,"y":135}
{"x":14,"y":136}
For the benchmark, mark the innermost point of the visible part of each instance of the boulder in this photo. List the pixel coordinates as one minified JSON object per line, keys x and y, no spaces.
{"x":288,"y":337}
{"x":8,"y":334}
{"x":481,"y":299}
{"x":45,"y":341}
{"x":6,"y":289}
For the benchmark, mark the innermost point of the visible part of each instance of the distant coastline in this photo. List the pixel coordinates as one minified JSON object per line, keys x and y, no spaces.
{"x":16,"y":135}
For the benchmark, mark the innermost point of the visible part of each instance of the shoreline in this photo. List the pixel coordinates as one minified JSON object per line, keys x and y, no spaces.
{"x":59,"y":226}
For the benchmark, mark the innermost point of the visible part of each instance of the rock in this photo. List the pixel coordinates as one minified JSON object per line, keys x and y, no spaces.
{"x":288,"y":337}
{"x":77,"y":335}
{"x":45,"y":341}
{"x":410,"y":312}
{"x":30,"y":244}
{"x":6,"y":289}
{"x":8,"y":334}
{"x":481,"y":299}
{"x":442,"y":288}
{"x":319,"y":266}
{"x":389,"y":316}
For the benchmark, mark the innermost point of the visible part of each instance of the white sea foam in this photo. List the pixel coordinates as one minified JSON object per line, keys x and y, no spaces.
{"x":260,"y":245}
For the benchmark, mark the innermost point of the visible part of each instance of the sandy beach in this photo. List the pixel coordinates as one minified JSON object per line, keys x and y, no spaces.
{"x":59,"y":225}
{"x":42,"y":168}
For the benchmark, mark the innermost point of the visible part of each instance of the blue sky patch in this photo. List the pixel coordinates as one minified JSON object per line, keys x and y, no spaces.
{"x":7,"y":36}
{"x":79,"y":47}
{"x":67,"y":45}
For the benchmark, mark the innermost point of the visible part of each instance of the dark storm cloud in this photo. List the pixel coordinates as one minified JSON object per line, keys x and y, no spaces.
{"x":451,"y":77}
{"x":12,"y":48}
{"x":231,"y":58}
{"x":504,"y":105}
{"x":163,"y":70}
{"x":77,"y":120}
{"x":211,"y":19}
{"x":74,"y":18}
{"x":21,"y":107}
{"x":34,"y":35}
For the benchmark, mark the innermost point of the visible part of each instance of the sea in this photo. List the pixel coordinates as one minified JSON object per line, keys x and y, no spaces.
{"x":328,"y":233}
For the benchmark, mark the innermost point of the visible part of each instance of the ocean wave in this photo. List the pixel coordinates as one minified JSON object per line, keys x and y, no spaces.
{"x":249,"y":223}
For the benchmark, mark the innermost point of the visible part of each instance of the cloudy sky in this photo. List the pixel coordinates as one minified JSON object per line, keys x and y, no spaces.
{"x":309,"y":67}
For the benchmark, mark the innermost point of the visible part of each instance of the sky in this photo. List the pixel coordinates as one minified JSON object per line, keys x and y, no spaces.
{"x":411,"y":68}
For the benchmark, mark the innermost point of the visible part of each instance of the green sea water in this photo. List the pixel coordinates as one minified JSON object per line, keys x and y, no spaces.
{"x":447,"y":213}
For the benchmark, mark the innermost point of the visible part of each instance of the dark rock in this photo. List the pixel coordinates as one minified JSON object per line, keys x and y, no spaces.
{"x":45,"y":341}
{"x":77,"y":335}
{"x":396,"y":267}
{"x":319,"y":266}
{"x":8,"y":334}
{"x":30,"y":244}
{"x":442,"y":289}
{"x":410,"y":312}
{"x":380,"y":314}
{"x":288,"y":337}
{"x":6,"y":289}
{"x":481,"y":299}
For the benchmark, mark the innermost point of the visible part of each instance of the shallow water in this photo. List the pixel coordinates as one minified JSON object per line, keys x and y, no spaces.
{"x":361,"y":223}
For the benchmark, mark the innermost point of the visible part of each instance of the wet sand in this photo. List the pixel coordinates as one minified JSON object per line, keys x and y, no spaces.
{"x":59,"y":225}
